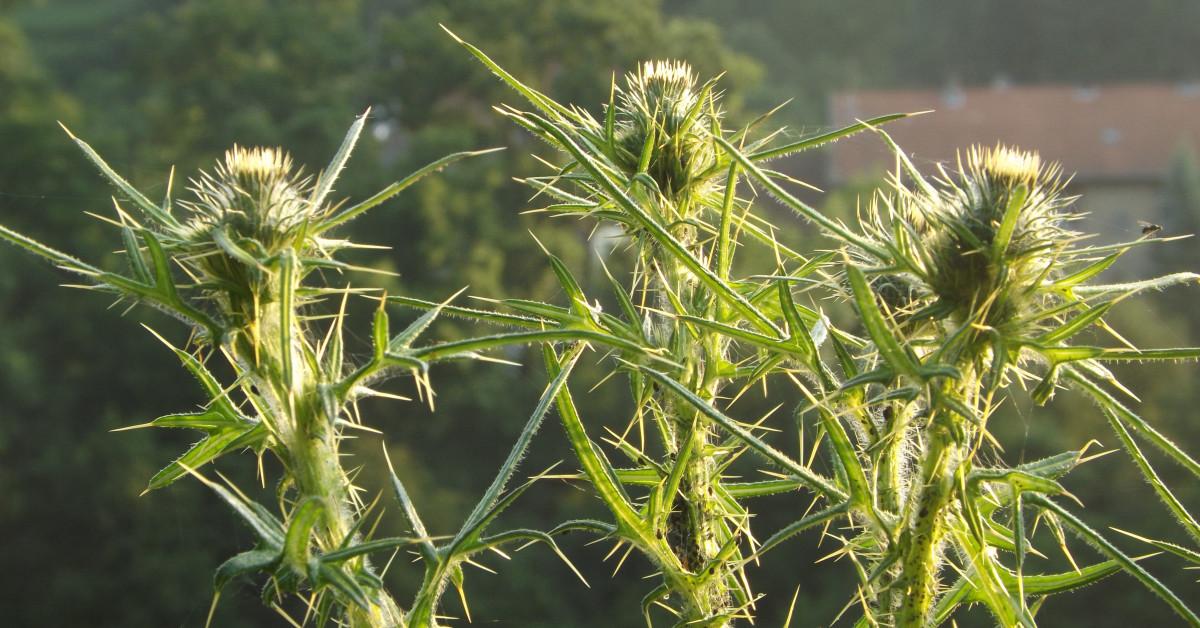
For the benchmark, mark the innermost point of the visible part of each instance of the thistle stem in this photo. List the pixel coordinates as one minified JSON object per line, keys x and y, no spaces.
{"x":273,"y":348}
{"x":944,"y":457}
{"x":695,"y":523}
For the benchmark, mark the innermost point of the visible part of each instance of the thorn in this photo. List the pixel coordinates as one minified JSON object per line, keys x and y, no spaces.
{"x":451,"y":33}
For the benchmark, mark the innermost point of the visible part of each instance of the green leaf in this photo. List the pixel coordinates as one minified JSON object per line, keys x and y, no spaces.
{"x":1139,"y":424}
{"x":210,"y":421}
{"x":246,"y":563}
{"x":1012,"y":211}
{"x":386,"y":193}
{"x":596,"y":469}
{"x":743,"y":490}
{"x":1076,"y":325}
{"x":380,"y":332}
{"x":209,"y":449}
{"x":368,"y":547}
{"x":570,"y":286}
{"x":1019,"y":479}
{"x":1138,"y":355}
{"x":268,"y":529}
{"x":796,"y":527}
{"x":347,"y":586}
{"x":825,"y":138}
{"x":287,"y":310}
{"x":1063,"y":354}
{"x":1168,"y":498}
{"x":539,"y":100}
{"x":467,"y":347}
{"x":59,"y":258}
{"x":133,"y":253}
{"x":889,"y":349}
{"x":128,"y":190}
{"x":490,"y":497}
{"x":428,"y":551}
{"x":626,"y":302}
{"x":724,"y":242}
{"x":1097,"y":541}
{"x":117,"y":283}
{"x":832,"y":226}
{"x":1158,"y":283}
{"x":299,"y":533}
{"x":1191,"y":556}
{"x":793,"y":349}
{"x":404,"y":339}
{"x":330,"y":174}
{"x":1091,"y":270}
{"x":487,"y":316}
{"x":856,"y":478}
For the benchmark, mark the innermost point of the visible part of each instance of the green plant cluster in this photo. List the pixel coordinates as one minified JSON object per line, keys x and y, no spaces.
{"x":966,"y":289}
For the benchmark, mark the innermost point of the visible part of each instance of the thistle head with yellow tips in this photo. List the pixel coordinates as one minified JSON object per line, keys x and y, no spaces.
{"x":250,"y":228}
{"x":254,"y":195}
{"x":980,"y":241}
{"x":665,"y":124}
{"x":998,"y":226}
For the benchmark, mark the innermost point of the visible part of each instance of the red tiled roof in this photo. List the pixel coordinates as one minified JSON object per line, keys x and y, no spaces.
{"x":1110,"y":132}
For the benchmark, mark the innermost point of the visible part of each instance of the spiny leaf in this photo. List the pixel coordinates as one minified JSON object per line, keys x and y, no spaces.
{"x":825,"y":138}
{"x":1128,"y":564}
{"x":298,"y":539}
{"x":518,"y":451}
{"x":404,"y":339}
{"x":386,"y":193}
{"x":268,"y":529}
{"x":801,"y":525}
{"x":1168,"y":498}
{"x":428,"y":551}
{"x":347,"y":586}
{"x":209,"y":449}
{"x":128,"y":190}
{"x":1143,"y":428}
{"x":330,"y":174}
{"x":889,"y":349}
{"x":830,"y":225}
{"x":368,"y":547}
{"x":1191,"y":556}
{"x":594,"y":467}
{"x":246,"y":563}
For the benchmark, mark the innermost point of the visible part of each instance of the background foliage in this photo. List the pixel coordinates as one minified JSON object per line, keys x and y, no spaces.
{"x":153,"y":83}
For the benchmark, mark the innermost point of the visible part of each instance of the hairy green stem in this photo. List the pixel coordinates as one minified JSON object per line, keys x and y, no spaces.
{"x":921,"y":541}
{"x":273,"y":349}
{"x":910,"y":587}
{"x":695,"y":524}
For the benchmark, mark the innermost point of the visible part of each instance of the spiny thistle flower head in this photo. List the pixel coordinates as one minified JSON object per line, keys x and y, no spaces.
{"x":253,"y":194}
{"x":662,"y":108}
{"x":986,"y":237}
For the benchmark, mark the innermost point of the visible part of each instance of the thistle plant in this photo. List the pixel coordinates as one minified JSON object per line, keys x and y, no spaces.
{"x":966,"y":286}
{"x":237,"y":266}
{"x":658,"y":166}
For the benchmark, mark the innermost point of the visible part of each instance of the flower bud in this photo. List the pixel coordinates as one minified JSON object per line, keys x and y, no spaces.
{"x":255,"y":196}
{"x":660,"y":110}
{"x":996,"y":228}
